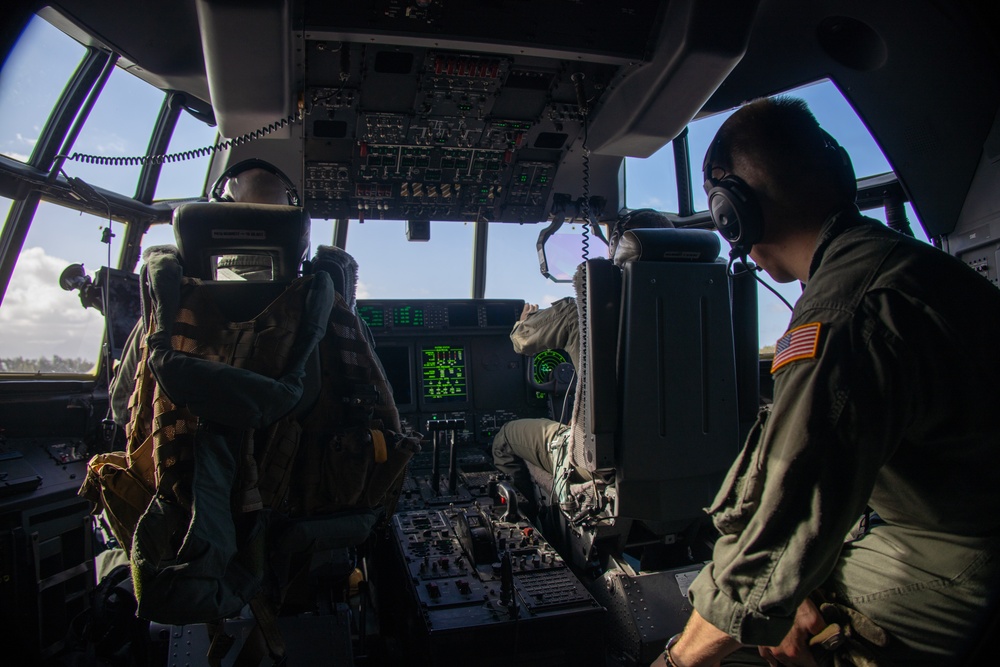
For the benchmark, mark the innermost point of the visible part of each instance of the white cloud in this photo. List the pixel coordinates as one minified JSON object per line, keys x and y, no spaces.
{"x":109,"y":143}
{"x":652,"y":202}
{"x":117,"y":146}
{"x":363,"y":291}
{"x":38,"y":318}
{"x":14,"y":147}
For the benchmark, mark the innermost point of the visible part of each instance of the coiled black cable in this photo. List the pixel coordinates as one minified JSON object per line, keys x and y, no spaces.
{"x":585,"y":204}
{"x":753,"y":269}
{"x":183,"y":156}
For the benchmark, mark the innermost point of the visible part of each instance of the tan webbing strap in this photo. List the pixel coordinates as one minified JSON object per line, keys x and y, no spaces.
{"x":221,"y":643}
{"x":174,"y":431}
{"x":381,"y":450}
{"x":140,"y":417}
{"x":140,"y":463}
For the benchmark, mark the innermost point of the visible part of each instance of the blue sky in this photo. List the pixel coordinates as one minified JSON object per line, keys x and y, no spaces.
{"x":39,"y":319}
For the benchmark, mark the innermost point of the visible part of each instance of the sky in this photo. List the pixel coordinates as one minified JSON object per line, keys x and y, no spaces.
{"x":37,"y":318}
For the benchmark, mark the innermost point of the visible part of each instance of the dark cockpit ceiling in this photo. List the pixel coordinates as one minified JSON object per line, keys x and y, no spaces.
{"x":446,"y":110}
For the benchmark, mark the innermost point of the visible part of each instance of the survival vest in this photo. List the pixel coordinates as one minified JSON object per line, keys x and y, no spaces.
{"x":248,"y":443}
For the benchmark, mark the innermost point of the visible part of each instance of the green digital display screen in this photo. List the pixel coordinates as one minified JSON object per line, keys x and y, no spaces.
{"x":543,"y":364}
{"x":373,"y":316}
{"x":444,"y":376}
{"x":407,"y":316}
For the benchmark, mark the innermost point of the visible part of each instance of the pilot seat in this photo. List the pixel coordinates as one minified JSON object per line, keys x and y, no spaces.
{"x":657,"y":422}
{"x":263,"y":432}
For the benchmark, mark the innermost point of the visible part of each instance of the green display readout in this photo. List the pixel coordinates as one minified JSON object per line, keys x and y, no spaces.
{"x":407,"y":316}
{"x":543,"y":364}
{"x":373,"y":316}
{"x":444,"y":378}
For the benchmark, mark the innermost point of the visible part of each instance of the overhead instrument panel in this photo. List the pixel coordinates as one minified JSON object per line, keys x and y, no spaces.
{"x":418,"y":127}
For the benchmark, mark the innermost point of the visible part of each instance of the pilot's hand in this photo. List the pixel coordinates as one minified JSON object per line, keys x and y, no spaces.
{"x":662,"y":662}
{"x":528,"y":309}
{"x":794,"y":648}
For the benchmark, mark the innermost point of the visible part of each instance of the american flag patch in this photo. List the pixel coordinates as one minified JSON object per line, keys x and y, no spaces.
{"x":798,"y":343}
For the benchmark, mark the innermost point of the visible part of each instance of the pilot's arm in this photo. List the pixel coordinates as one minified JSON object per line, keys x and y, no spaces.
{"x":553,"y":328}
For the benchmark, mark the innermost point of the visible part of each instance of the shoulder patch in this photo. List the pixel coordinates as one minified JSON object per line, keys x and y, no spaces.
{"x":798,"y":343}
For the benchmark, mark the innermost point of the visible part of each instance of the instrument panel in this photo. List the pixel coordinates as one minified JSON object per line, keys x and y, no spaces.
{"x":453,"y":359}
{"x":423,"y":132}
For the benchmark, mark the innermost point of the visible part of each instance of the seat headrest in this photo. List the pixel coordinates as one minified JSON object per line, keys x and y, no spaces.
{"x":205,"y":231}
{"x":667,"y":245}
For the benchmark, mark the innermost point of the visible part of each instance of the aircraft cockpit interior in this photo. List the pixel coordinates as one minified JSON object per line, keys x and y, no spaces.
{"x":241,"y":427}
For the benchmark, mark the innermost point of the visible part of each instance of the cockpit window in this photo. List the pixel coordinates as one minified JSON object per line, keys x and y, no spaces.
{"x":393,"y":268}
{"x":34,"y":75}
{"x":652,"y":182}
{"x":182,"y":179}
{"x":5,"y":205}
{"x":832,"y":111}
{"x":512,"y":263}
{"x":111,"y":133}
{"x":44,"y":328}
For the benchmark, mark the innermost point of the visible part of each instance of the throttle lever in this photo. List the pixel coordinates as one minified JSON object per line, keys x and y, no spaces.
{"x":508,"y":494}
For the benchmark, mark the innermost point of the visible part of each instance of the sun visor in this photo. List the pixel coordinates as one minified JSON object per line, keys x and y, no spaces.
{"x":249,"y":79}
{"x":694,"y":54}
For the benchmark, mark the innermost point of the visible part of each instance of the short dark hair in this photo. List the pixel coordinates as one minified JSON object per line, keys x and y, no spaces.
{"x":781,"y":141}
{"x":640,"y":218}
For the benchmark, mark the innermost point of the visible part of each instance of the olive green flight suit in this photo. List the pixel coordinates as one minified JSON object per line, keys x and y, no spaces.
{"x":886,"y":399}
{"x":537,"y":440}
{"x":553,"y":328}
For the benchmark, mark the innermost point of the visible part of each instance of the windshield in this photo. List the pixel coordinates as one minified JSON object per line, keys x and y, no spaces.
{"x":391,"y":265}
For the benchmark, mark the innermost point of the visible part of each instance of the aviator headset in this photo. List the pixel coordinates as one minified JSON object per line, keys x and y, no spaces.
{"x":734,"y":207}
{"x":623,"y":222}
{"x":218,"y":194}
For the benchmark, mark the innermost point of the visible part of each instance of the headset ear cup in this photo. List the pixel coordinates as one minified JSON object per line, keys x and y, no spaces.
{"x":725,"y":216}
{"x":735,"y":212}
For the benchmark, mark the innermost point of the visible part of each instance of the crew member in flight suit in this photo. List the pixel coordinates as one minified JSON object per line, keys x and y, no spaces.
{"x":885,"y":398}
{"x":544,"y":442}
{"x":552,"y":328}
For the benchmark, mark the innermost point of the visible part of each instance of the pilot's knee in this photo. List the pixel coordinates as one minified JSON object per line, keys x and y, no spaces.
{"x":501,"y":446}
